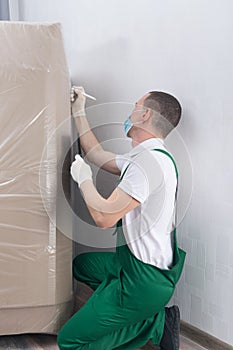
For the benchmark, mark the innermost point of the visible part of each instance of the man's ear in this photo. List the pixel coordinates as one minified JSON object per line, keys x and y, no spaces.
{"x":147,"y":114}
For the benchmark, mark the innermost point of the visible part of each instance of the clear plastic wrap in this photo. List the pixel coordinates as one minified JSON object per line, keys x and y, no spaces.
{"x":35,"y":274}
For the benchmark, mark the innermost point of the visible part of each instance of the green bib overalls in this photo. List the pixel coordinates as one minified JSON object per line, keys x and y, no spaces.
{"x":127,"y":308}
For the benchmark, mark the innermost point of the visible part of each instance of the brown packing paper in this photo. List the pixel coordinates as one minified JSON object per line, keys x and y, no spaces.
{"x":35,"y":274}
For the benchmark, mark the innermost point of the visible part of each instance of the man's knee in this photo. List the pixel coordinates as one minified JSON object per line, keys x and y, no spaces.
{"x":65,"y":344}
{"x":61,"y":341}
{"x":79,"y":269}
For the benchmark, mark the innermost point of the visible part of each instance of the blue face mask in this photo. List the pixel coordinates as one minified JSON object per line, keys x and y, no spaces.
{"x":127,"y":125}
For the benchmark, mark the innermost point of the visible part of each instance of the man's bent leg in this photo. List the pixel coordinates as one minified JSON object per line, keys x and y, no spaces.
{"x":92,"y":268}
{"x":102,"y":324}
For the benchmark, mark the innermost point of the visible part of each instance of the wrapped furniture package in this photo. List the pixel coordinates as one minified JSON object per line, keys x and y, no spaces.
{"x":36,"y":257}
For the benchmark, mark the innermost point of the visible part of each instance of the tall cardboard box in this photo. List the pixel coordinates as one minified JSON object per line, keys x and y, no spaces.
{"x":35,"y":133}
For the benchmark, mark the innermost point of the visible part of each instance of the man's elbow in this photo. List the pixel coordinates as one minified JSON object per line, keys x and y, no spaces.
{"x":103,"y":222}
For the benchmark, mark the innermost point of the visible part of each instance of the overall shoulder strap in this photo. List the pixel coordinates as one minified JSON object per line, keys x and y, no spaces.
{"x":168,"y":154}
{"x":176,"y":193}
{"x":122,"y":175}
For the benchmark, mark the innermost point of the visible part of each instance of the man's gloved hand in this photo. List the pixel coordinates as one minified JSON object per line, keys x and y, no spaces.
{"x":80,"y":170}
{"x":78,"y":101}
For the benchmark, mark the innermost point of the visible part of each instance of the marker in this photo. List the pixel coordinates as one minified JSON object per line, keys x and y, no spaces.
{"x":84,"y":93}
{"x":89,"y":96}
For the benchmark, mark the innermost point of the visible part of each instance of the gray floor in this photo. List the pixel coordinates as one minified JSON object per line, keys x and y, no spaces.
{"x":48,"y":342}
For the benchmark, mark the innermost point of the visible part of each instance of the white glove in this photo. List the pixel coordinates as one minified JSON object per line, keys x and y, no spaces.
{"x":80,"y":170}
{"x":78,"y":101}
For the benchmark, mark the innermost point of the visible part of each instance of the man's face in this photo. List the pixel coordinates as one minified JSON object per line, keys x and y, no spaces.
{"x":138,"y":111}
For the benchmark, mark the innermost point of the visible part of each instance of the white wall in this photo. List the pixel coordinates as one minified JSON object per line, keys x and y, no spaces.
{"x":121,"y":49}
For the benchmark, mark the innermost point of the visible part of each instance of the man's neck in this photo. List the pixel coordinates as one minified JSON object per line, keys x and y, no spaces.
{"x":138,"y":138}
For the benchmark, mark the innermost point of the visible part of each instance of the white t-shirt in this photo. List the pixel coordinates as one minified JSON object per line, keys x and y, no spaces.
{"x":150,"y":179}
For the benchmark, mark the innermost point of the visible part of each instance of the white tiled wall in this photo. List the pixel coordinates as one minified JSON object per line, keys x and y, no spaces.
{"x":205,"y":291}
{"x":121,"y":49}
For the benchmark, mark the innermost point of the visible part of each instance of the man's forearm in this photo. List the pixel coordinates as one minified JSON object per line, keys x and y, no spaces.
{"x":89,"y":142}
{"x":92,"y":148}
{"x":98,"y":206}
{"x":106,"y":212}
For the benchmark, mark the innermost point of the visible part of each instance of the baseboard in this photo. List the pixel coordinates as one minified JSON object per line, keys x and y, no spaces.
{"x":199,"y":337}
{"x":204,"y":339}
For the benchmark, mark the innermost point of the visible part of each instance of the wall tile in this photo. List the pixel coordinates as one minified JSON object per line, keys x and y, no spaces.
{"x":196,"y":308}
{"x":201,"y":255}
{"x":195,"y":276}
{"x":206,"y":322}
{"x":210,"y":272}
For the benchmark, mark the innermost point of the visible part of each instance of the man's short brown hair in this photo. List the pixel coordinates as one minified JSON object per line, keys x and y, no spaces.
{"x":169,"y":109}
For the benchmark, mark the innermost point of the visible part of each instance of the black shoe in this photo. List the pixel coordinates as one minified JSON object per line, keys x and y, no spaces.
{"x":171,"y":335}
